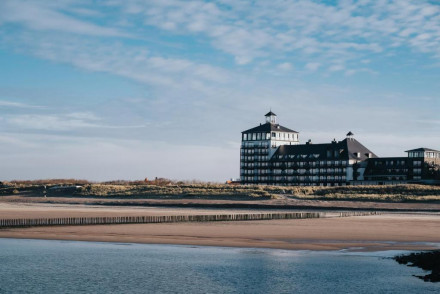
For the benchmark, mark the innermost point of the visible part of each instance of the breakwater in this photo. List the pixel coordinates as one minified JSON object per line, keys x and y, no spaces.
{"x":74,"y":221}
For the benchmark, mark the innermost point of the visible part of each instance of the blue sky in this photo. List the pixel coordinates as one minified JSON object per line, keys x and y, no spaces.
{"x":127,"y":89}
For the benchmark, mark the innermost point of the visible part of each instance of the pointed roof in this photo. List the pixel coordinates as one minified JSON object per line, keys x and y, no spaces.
{"x":269,"y":127}
{"x":354,"y":146}
{"x":270,"y":113}
{"x":422,"y":149}
{"x":350,"y":134}
{"x":347,"y":149}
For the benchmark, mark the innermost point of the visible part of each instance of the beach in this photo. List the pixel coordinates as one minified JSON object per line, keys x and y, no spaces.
{"x":387,"y":231}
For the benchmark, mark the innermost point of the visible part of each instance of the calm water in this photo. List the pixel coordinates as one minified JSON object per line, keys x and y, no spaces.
{"x":38,"y":266}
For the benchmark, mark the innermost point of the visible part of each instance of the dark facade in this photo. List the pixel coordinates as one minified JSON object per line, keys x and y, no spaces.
{"x":332,"y":164}
{"x":421,"y":165}
{"x":271,"y":155}
{"x":392,"y":169}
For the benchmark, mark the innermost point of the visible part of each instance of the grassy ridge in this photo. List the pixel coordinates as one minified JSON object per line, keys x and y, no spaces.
{"x":175,"y":190}
{"x":398,"y":193}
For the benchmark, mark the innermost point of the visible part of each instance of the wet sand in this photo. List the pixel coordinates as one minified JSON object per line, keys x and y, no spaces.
{"x":366,"y":233}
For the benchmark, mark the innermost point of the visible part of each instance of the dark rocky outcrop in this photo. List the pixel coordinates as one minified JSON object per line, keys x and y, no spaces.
{"x":425,"y":260}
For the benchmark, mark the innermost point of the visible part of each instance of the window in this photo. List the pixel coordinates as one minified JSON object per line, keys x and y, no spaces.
{"x":273,"y":135}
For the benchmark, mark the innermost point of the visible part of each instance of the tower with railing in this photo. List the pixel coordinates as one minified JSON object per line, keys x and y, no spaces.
{"x":258,"y":145}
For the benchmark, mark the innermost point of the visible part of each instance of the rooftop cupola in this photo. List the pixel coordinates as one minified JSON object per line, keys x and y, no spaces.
{"x":350,"y":135}
{"x":271,"y":117}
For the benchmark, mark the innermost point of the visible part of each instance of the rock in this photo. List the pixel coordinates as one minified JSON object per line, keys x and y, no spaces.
{"x":425,"y":260}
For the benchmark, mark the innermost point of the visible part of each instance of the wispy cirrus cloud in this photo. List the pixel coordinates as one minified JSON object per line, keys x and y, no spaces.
{"x":323,"y":29}
{"x":61,"y":122}
{"x":13,"y":104}
{"x":208,"y":69}
{"x":298,"y":31}
{"x":48,"y":16}
{"x":132,"y":62}
{"x":49,"y":122}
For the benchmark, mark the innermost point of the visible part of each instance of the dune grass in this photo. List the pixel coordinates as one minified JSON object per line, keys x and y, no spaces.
{"x":176,"y":190}
{"x":395,"y":193}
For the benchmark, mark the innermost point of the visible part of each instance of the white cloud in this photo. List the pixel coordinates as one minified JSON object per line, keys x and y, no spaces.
{"x":309,"y":31}
{"x":285,"y":66}
{"x":253,"y":31}
{"x":135,"y":63}
{"x":45,"y":17}
{"x":351,"y":72}
{"x":61,"y":122}
{"x":336,"y":67}
{"x":5,"y":103}
{"x":83,"y":116}
{"x":190,"y":93}
{"x":312,"y":66}
{"x":47,"y":122}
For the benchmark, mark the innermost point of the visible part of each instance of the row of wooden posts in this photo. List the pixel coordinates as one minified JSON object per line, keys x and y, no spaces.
{"x":69,"y":221}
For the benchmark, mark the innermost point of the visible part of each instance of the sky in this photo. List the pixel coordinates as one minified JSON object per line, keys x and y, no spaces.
{"x":128,"y":89}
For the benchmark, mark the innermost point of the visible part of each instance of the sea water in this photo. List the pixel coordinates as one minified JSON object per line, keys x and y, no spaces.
{"x":40,"y":266}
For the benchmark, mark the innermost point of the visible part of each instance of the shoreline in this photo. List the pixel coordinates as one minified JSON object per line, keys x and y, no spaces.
{"x":363,"y":233}
{"x":402,"y":246}
{"x":338,"y":246}
{"x":387,"y":231}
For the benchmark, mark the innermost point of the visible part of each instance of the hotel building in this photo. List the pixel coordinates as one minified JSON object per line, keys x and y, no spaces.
{"x":271,"y":155}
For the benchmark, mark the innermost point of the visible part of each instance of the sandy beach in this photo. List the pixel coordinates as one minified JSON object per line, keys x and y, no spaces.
{"x":367,"y":233}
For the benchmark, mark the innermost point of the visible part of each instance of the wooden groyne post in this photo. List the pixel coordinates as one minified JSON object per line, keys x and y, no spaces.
{"x":75,"y":221}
